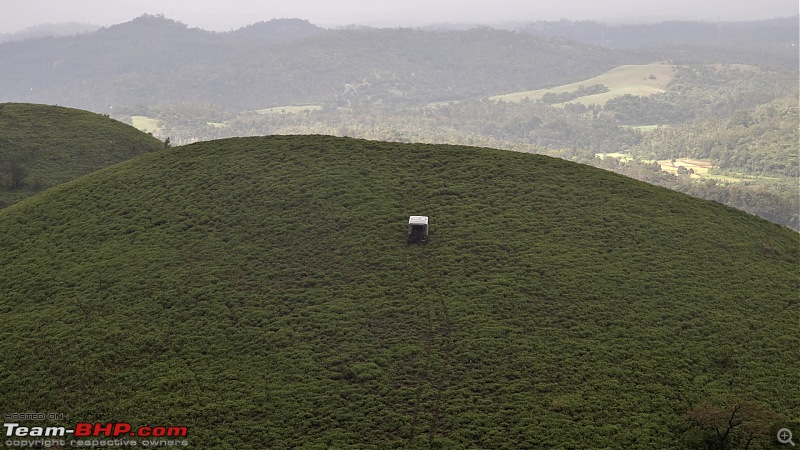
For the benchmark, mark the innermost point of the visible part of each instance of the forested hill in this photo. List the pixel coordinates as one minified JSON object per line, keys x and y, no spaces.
{"x":277,"y":30}
{"x":153,"y":60}
{"x":766,"y":42}
{"x":260,"y":292}
{"x":773,"y":33}
{"x":49,"y":30}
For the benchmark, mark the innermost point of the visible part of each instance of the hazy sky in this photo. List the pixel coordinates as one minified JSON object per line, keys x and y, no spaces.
{"x":223,"y":15}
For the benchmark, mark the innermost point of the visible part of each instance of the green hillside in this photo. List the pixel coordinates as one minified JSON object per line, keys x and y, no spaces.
{"x":260,"y":292}
{"x":42,"y":146}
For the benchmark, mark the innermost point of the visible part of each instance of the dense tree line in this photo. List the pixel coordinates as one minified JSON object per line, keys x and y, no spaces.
{"x":761,"y":141}
{"x":775,"y":201}
{"x":698,"y":91}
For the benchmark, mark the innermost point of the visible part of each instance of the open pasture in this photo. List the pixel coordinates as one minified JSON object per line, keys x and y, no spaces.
{"x":700,"y":167}
{"x":144,"y":123}
{"x":642,"y":80}
{"x":289,"y":109}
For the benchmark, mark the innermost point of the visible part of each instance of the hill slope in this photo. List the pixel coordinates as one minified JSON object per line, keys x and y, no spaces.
{"x":260,"y":292}
{"x":42,"y":146}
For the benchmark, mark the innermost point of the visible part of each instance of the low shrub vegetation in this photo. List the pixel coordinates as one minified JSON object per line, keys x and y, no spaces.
{"x":260,"y":291}
{"x":42,"y":146}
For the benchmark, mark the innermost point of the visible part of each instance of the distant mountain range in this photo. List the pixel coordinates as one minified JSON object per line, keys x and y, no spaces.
{"x":49,"y":30}
{"x":278,"y":30}
{"x":762,"y":33}
{"x":153,"y":59}
{"x":275,"y":29}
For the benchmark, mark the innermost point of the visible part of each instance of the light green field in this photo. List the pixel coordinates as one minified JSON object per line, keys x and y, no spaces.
{"x":702,"y":169}
{"x":622,"y":80}
{"x":144,"y":123}
{"x":617,"y":155}
{"x":289,"y":109}
{"x":723,"y":178}
{"x":644,"y":127}
{"x":699,"y":166}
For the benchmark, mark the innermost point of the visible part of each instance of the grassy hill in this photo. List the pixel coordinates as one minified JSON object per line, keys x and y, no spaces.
{"x":259,"y":291}
{"x":48,"y":145}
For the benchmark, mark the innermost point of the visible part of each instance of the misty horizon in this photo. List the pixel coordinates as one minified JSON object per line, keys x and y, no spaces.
{"x":211,"y":16}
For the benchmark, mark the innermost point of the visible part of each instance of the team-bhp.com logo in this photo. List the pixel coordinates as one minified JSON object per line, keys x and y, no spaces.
{"x":86,"y":429}
{"x":91,"y":434}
